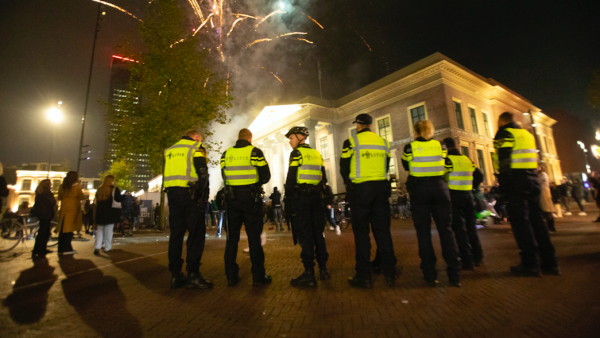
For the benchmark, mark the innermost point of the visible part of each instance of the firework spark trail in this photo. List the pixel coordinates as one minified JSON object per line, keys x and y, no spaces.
{"x":277,"y":77}
{"x":363,"y":40}
{"x":293,"y":33}
{"x":247,"y":16}
{"x":257,"y":41}
{"x":197,"y":9}
{"x":117,"y":7}
{"x":268,"y":16}
{"x":205,"y":83}
{"x":315,"y":21}
{"x":234,"y":23}
{"x":227,"y":86}
{"x":176,"y":42}
{"x":211,"y":24}
{"x":307,"y":41}
{"x":222,"y":56}
{"x":202,"y":25}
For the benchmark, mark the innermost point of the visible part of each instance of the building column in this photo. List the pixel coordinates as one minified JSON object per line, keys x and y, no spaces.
{"x":333,"y":169}
{"x":311,"y":125}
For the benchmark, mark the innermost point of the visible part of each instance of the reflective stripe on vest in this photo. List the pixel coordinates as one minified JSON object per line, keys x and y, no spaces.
{"x":428,"y":159}
{"x":179,"y":168}
{"x":461,"y":178}
{"x":369,"y":163}
{"x":309,"y":171}
{"x":238,"y":169}
{"x":524,"y":153}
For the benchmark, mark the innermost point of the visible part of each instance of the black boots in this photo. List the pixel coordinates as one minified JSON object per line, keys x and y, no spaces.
{"x":262,"y":281}
{"x":178,"y":281}
{"x":324,"y":274}
{"x":360,"y":283}
{"x":306,"y":279}
{"x":195,"y":281}
{"x":523,"y":271}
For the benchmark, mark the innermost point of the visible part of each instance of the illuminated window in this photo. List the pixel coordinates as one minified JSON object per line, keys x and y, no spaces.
{"x":474,"y":120}
{"x":384,"y":129}
{"x":459,"y":119}
{"x":486,"y":123}
{"x":465,"y":151}
{"x":417,"y":114}
{"x":481,"y":164}
{"x":324,"y":145}
{"x":26,"y":185}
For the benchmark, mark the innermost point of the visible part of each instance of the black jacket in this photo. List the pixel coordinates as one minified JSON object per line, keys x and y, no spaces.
{"x":276,"y":198}
{"x":105,"y":213}
{"x":44,"y":205}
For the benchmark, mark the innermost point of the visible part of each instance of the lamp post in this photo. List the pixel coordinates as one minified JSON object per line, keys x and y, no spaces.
{"x":585,"y":154}
{"x":55,"y":115}
{"x":87,"y":94}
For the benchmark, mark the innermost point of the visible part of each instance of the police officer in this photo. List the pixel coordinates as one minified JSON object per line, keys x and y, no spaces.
{"x":462,"y":175}
{"x":516,"y":161}
{"x":244,"y":171}
{"x":364,"y":167}
{"x":424,"y":159}
{"x":185,"y":163}
{"x":304,"y":185}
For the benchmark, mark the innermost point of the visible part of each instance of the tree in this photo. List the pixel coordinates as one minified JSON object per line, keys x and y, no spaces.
{"x":594,"y":90}
{"x":168,"y":88}
{"x":123,"y":173}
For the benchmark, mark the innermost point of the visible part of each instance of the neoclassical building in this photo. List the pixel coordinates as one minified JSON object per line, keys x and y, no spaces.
{"x":460,"y":104}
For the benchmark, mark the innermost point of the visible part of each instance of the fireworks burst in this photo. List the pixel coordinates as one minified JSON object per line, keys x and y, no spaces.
{"x":307,"y":41}
{"x":118,"y":8}
{"x":293,"y":33}
{"x":257,"y":41}
{"x":315,"y":21}
{"x":363,"y":39}
{"x":197,"y":9}
{"x":275,"y":75}
{"x":268,"y":16}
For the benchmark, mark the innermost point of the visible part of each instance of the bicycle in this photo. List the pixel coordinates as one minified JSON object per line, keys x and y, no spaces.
{"x":13,"y":232}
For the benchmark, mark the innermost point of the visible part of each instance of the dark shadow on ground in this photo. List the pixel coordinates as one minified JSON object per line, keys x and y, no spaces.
{"x":97,"y":299}
{"x":28,"y":302}
{"x":587,"y":258}
{"x":148,"y":272}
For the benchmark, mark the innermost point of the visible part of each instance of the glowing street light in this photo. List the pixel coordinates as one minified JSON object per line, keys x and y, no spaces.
{"x":54,"y":115}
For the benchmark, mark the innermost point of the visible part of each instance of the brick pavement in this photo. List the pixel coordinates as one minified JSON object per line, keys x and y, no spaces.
{"x":126,"y":293}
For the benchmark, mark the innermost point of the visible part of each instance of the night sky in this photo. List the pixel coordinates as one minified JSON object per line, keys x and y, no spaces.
{"x":544,"y":50}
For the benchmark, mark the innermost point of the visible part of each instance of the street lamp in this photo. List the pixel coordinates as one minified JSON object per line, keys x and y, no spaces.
{"x":55,"y":115}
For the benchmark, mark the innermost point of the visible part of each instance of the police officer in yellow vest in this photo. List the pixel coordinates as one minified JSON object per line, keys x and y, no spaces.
{"x":462,"y":176}
{"x":364,"y":166}
{"x":244,"y":171}
{"x":185,"y":163}
{"x":424,"y":158}
{"x":304,"y":188}
{"x":516,"y":162}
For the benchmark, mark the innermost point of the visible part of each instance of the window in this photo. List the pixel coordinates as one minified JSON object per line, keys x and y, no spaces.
{"x":26,"y":185}
{"x":474,"y":120}
{"x":465,"y":151}
{"x":459,"y":119}
{"x":481,"y":161}
{"x":417,"y":114}
{"x":384,"y":129}
{"x":324,"y":144}
{"x":486,"y":123}
{"x":55,"y":185}
{"x":545,"y":145}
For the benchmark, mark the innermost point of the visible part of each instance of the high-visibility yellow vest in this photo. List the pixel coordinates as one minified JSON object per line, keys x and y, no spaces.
{"x":370,"y":158}
{"x":238,"y":168}
{"x":428,"y":159}
{"x":309,"y":171}
{"x":524,"y":153}
{"x":461,"y":176}
{"x":179,"y":165}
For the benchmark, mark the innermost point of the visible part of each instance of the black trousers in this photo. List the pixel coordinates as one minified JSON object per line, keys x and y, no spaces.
{"x":64,"y":242}
{"x":463,"y":225}
{"x":244,"y":210}
{"x":309,"y":225}
{"x":370,"y":205}
{"x":431,"y":198}
{"x":43,"y":235}
{"x":185,"y":215}
{"x":528,"y":224}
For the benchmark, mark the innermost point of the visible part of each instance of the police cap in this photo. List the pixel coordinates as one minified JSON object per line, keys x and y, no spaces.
{"x":365,"y":119}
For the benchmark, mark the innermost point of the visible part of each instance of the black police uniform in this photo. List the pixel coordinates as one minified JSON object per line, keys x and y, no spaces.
{"x":244,"y":208}
{"x":430,"y":197}
{"x":522,"y":191}
{"x":306,"y":202}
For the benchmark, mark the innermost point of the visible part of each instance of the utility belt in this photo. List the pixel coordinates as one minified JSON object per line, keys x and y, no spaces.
{"x":307,"y":189}
{"x":256,"y":191}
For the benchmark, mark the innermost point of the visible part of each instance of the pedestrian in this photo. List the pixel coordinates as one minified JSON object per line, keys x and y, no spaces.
{"x":220,"y":202}
{"x":462,"y":177}
{"x":330,"y":210}
{"x":516,"y":162}
{"x":88,"y":214}
{"x":185,"y":165}
{"x":304,"y":187}
{"x":577,"y":194}
{"x":214,"y":211}
{"x":136,"y":213}
{"x":44,"y":210}
{"x":244,"y":170}
{"x":565,"y":190}
{"x":277,"y":209}
{"x":127,"y":214}
{"x":546,"y":197}
{"x":595,"y":184}
{"x":107,"y":212}
{"x":424,"y":159}
{"x":157,"y":215}
{"x":3,"y":189}
{"x":555,"y":192}
{"x":364,"y":166}
{"x":403,"y":205}
{"x":70,"y":217}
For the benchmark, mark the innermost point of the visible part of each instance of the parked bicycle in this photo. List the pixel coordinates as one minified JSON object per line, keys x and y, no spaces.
{"x":18,"y":230}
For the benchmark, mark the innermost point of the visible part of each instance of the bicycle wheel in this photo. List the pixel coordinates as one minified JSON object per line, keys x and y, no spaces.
{"x":53,"y":239}
{"x":11,"y":234}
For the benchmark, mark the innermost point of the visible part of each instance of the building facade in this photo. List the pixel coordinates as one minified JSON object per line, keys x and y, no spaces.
{"x":460,"y":103}
{"x":119,"y":92}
